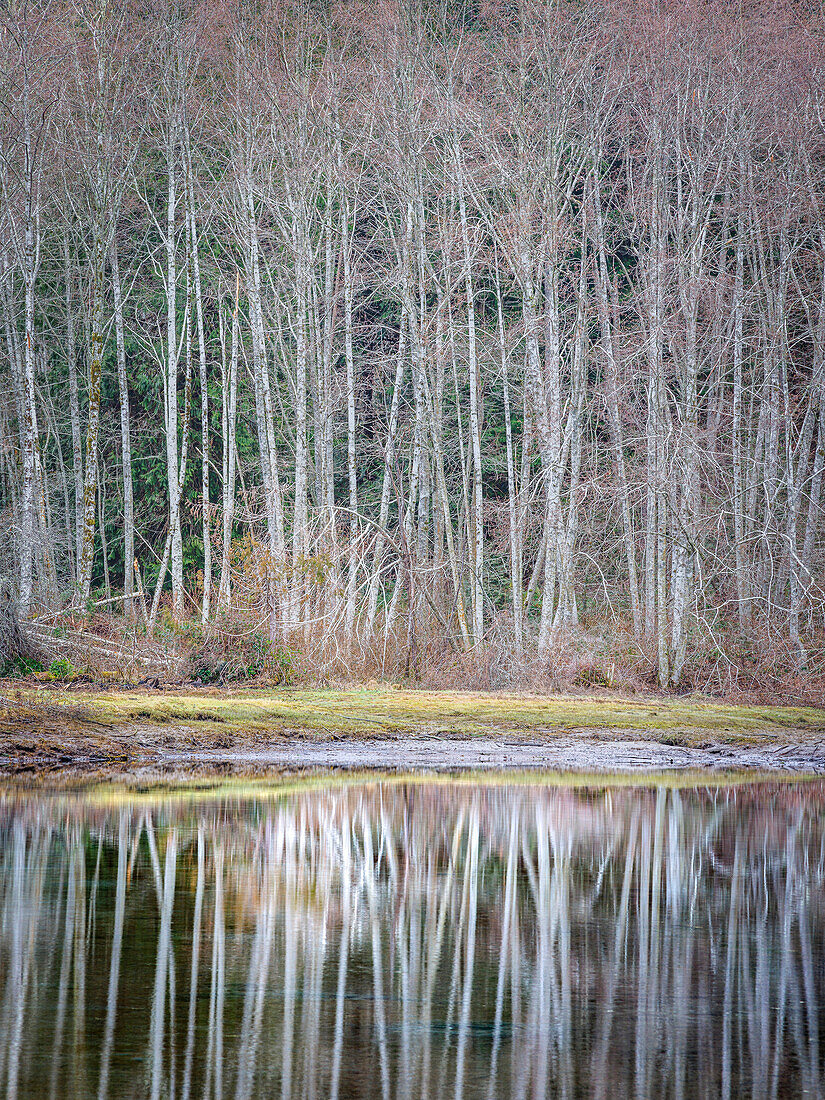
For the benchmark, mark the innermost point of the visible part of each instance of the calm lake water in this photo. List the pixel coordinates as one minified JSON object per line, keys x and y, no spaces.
{"x":414,"y":940}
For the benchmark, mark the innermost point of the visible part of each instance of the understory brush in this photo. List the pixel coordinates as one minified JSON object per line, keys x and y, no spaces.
{"x":232,"y":651}
{"x":245,"y":645}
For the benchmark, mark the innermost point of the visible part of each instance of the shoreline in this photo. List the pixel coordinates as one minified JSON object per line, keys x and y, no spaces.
{"x":133,"y":750}
{"x":53,"y":733}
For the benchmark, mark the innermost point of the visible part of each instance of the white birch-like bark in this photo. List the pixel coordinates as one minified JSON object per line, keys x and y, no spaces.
{"x":177,"y":495}
{"x":96,"y":342}
{"x":347,"y":216}
{"x":477,"y":501}
{"x":742,"y":572}
{"x":27,"y":540}
{"x":656,"y":559}
{"x":513,"y":503}
{"x":386,"y":481}
{"x":552,"y":458}
{"x":125,"y":439}
{"x":230,"y":404}
{"x":300,"y":519}
{"x":603,"y":303}
{"x":74,"y":405}
{"x":174,"y":481}
{"x":265,"y":419}
{"x":567,"y":614}
{"x":206,"y":527}
{"x":30,"y":262}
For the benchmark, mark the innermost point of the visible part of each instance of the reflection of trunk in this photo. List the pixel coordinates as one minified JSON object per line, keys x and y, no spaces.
{"x":343,"y":959}
{"x":370,"y":875}
{"x":506,"y":949}
{"x":733,"y":923}
{"x":193,"y":974}
{"x":600,"y":1073}
{"x":289,"y":971}
{"x":114,"y":966}
{"x":163,"y":961}
{"x":471,"y":888}
{"x":63,"y":980}
{"x":214,"y":1043}
{"x":256,"y":986}
{"x":27,"y":893}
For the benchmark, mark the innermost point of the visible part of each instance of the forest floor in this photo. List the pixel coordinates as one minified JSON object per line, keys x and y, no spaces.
{"x":75,"y":729}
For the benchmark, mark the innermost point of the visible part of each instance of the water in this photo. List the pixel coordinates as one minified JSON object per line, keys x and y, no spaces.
{"x":414,"y":940}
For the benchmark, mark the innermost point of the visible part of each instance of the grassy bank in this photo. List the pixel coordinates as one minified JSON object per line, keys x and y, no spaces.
{"x":377,"y":711}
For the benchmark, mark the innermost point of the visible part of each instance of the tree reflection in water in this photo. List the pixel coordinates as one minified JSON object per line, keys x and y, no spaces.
{"x":415,"y":941}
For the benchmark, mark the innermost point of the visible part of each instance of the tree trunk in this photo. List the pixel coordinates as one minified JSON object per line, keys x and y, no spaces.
{"x":174,"y":482}
{"x":95,"y":373}
{"x":74,"y":407}
{"x":125,"y":443}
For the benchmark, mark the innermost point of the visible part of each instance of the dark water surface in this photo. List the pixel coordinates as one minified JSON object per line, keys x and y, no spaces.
{"x":414,"y":940}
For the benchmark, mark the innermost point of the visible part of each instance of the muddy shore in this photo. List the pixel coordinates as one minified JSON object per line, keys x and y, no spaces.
{"x":505,"y":753}
{"x":136,"y":749}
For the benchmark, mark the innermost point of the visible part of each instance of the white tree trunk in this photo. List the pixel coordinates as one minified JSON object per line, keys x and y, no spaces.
{"x":125,"y":440}
{"x":174,"y":482}
{"x":95,"y":372}
{"x":229,"y":400}
{"x":477,"y":502}
{"x":74,"y":407}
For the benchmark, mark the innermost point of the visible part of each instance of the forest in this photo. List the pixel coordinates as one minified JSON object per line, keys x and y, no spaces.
{"x":473,"y":342}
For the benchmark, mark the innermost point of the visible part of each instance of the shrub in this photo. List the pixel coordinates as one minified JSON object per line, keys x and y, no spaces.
{"x":224,"y":658}
{"x":61,"y":669}
{"x":20,"y":666}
